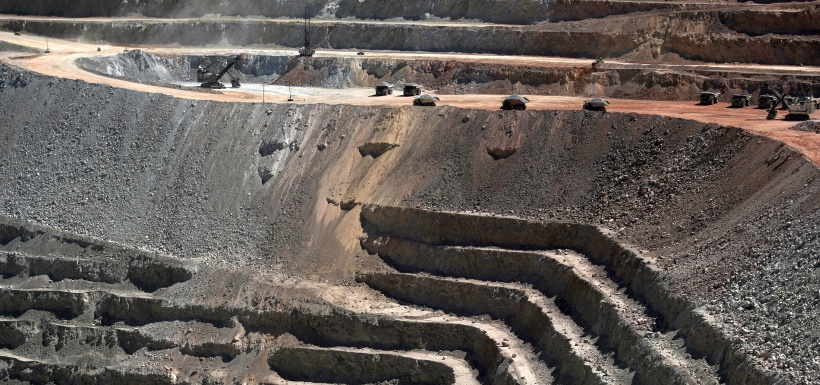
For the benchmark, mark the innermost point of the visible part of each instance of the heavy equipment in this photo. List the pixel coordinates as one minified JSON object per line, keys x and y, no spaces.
{"x":384,"y":89}
{"x":708,"y":98}
{"x":799,"y":107}
{"x":411,"y":89}
{"x":307,"y":50}
{"x":802,"y":108}
{"x":425,"y":100}
{"x":596,"y":104}
{"x":514,"y":102}
{"x":740,"y":101}
{"x":211,"y":80}
{"x":766,"y":101}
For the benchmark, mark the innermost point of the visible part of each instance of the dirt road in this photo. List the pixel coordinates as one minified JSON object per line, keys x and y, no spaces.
{"x":60,"y":62}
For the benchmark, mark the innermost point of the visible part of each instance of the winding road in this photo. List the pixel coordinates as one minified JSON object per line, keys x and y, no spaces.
{"x":61,"y":62}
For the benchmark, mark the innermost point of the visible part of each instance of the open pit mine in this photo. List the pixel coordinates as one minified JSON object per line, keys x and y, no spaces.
{"x":493,"y":192}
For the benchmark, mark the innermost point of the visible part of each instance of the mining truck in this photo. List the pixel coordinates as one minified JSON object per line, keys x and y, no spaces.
{"x":596,"y":104}
{"x":740,"y":101}
{"x":383,"y":89}
{"x":708,"y":98}
{"x":425,"y":100}
{"x":413,"y":89}
{"x":514,"y":102}
{"x":766,"y":101}
{"x":209,"y":80}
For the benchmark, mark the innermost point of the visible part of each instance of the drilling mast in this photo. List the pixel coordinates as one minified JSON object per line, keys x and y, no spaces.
{"x":307,"y":50}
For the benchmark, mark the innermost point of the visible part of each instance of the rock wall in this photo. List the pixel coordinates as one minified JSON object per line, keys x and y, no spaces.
{"x":694,"y":37}
{"x":802,"y":22}
{"x":731,"y":219}
{"x":492,"y":11}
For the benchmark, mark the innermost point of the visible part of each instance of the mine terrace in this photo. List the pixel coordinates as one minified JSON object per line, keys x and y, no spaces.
{"x":418,"y":192}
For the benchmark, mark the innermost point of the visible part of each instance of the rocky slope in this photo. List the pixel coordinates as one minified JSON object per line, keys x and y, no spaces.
{"x":694,"y":35}
{"x":729,"y":219}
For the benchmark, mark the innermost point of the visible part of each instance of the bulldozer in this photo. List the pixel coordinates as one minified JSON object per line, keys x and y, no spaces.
{"x":211,"y":80}
{"x":384,"y":89}
{"x":425,"y":100}
{"x":514,"y":102}
{"x":707,"y":98}
{"x":596,"y":104}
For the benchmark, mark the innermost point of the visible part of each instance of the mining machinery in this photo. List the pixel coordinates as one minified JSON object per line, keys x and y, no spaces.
{"x":799,"y":107}
{"x":514,"y":102}
{"x":211,"y":80}
{"x":307,"y":50}
{"x":596,"y":104}
{"x":740,"y":101}
{"x":708,"y":98}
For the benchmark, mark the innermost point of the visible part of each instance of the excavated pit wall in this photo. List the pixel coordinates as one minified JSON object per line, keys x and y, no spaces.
{"x":27,"y":249}
{"x":703,"y":196}
{"x":703,"y":335}
{"x":512,"y":12}
{"x":328,"y":366}
{"x":683,"y":37}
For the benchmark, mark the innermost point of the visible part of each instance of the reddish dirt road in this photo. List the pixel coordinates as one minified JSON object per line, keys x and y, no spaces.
{"x":61,"y":63}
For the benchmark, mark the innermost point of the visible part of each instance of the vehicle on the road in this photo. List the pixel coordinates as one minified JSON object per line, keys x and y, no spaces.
{"x":514,"y":102}
{"x":766,"y":101}
{"x":740,"y":101}
{"x":384,"y":89}
{"x":425,"y":100}
{"x":16,"y":33}
{"x":707,"y":98}
{"x":596,"y":104}
{"x":413,"y":89}
{"x":211,"y":80}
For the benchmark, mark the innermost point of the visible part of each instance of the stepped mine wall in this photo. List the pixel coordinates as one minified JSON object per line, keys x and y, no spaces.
{"x":634,"y":41}
{"x":491,"y":11}
{"x":729,"y":218}
{"x":802,"y":22}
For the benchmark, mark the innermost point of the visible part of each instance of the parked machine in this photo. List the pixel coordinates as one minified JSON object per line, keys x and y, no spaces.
{"x":211,"y":80}
{"x":802,"y":108}
{"x":766,"y":101}
{"x":514,"y":102}
{"x":425,"y":100}
{"x":413,"y":89}
{"x":740,"y":101}
{"x":596,"y":104}
{"x":799,"y":108}
{"x":307,"y":50}
{"x":707,"y":98}
{"x":384,"y":89}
